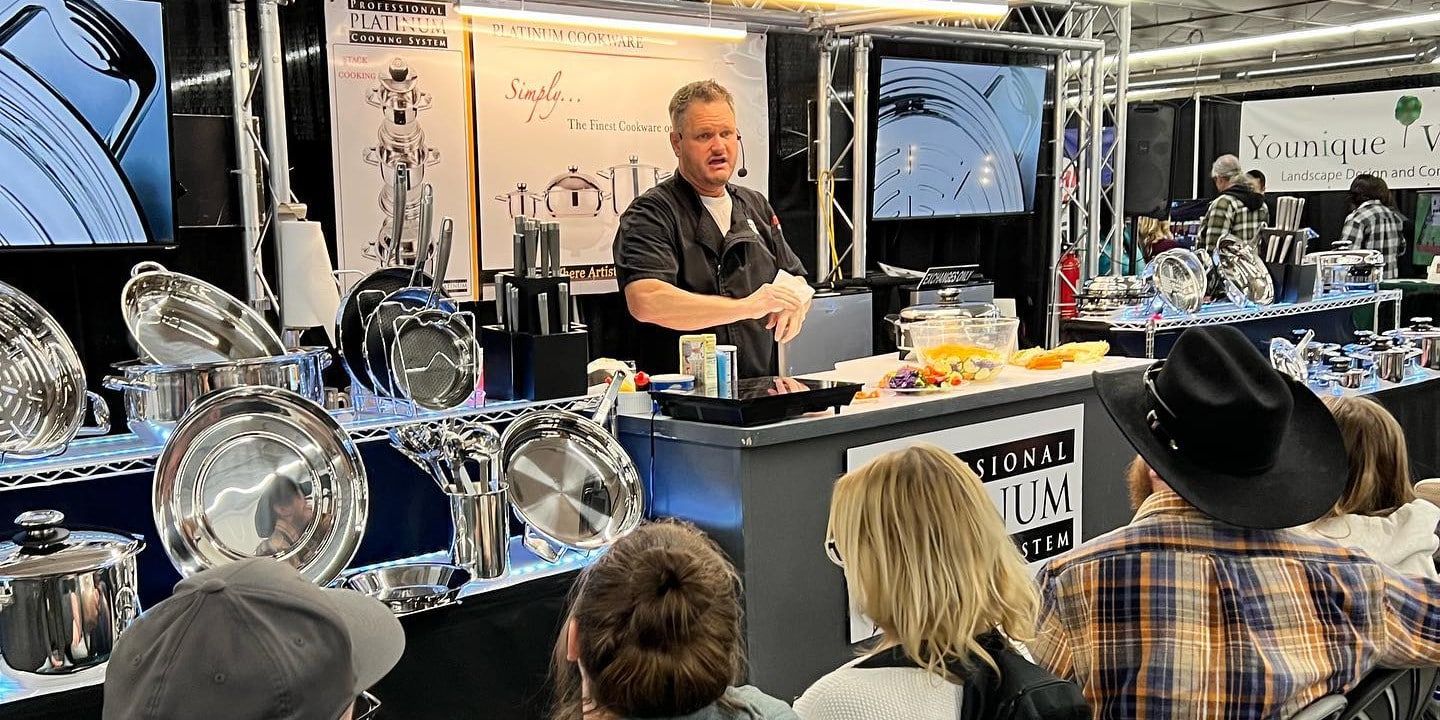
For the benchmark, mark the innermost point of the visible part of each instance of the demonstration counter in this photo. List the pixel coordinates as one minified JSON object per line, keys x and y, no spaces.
{"x":1045,"y":447}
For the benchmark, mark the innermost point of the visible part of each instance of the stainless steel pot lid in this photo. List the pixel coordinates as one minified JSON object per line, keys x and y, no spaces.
{"x":42,"y":382}
{"x":1420,"y":328}
{"x":260,"y":471}
{"x":570,"y":480}
{"x":1179,"y":279}
{"x":1246,"y":278}
{"x":944,"y":310}
{"x":179,"y":320}
{"x":44,"y":548}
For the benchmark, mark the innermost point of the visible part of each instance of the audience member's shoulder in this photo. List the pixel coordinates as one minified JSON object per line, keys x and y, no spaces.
{"x":1120,"y":541}
{"x":763,"y":706}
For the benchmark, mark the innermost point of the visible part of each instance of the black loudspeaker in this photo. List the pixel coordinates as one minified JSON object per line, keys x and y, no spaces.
{"x":1149,"y":131}
{"x":208,"y":194}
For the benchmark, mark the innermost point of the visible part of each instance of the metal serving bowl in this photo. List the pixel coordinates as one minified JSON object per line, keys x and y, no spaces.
{"x":408,"y":588}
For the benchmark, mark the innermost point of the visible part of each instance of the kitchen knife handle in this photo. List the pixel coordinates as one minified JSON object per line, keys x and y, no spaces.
{"x":564,"y":291}
{"x":543,"y":304}
{"x":397,"y":206}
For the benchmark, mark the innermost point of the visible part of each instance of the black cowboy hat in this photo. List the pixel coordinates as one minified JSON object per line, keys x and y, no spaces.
{"x":1237,"y":439}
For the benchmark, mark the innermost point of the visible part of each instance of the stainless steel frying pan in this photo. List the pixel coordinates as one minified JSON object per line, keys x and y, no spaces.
{"x":434,"y":356}
{"x":570,"y":481}
{"x":177,"y":319}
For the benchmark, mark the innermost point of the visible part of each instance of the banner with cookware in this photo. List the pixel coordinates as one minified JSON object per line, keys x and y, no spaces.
{"x":400,"y":106}
{"x":1321,"y":143}
{"x":1031,"y":468}
{"x":572,"y":124}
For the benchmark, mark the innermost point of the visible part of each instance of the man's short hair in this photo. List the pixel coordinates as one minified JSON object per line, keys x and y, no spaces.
{"x":699,"y":91}
{"x":1259,"y":176}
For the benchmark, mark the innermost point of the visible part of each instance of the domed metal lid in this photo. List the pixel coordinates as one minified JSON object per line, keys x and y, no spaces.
{"x":43,"y":548}
{"x":949,"y":306}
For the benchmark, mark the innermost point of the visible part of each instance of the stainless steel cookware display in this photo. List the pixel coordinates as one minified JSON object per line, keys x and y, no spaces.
{"x":435,"y":356}
{"x":570,"y":481}
{"x":574,"y":194}
{"x":1344,"y":269}
{"x":177,"y":319}
{"x":1109,"y":293}
{"x":408,"y":588}
{"x":1247,"y":281}
{"x":158,"y":396}
{"x":949,"y":306}
{"x":1178,"y":278}
{"x":43,"y":399}
{"x":65,"y":595}
{"x":1425,"y":336}
{"x":260,"y":471}
{"x":630,"y":181}
{"x":355,"y":310}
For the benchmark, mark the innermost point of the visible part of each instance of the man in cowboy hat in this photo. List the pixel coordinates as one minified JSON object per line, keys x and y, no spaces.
{"x":1203,"y":606}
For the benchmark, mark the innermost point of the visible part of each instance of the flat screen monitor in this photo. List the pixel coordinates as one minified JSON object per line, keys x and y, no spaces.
{"x":84,"y":124}
{"x":955,"y":139}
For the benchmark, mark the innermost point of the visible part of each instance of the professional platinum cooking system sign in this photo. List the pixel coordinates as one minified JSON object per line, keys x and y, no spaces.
{"x":1031,"y":468}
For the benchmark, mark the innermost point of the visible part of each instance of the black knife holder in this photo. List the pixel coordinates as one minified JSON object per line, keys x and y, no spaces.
{"x":528,"y":315}
{"x":1293,"y":283}
{"x":523,"y":366}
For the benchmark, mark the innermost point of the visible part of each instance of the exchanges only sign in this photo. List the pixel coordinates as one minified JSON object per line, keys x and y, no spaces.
{"x":1030,"y":466}
{"x":1322,"y":143}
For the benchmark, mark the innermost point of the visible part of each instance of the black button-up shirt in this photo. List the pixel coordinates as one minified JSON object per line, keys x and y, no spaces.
{"x":668,"y":235}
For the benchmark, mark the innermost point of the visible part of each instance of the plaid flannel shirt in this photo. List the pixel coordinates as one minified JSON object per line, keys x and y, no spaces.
{"x":1376,"y":227}
{"x":1180,"y":616}
{"x":1228,"y":214}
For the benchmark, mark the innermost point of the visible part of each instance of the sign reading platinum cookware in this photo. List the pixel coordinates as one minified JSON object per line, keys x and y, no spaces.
{"x":1031,"y":467}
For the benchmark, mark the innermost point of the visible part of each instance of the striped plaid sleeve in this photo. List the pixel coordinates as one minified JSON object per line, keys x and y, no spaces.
{"x":1412,"y":622}
{"x":1051,"y":646}
{"x":1352,"y":231}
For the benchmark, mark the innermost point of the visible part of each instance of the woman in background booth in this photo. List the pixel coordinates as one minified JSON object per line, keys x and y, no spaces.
{"x":1379,"y":513}
{"x":654,"y":632}
{"x":1374,"y":223}
{"x":927,"y":560}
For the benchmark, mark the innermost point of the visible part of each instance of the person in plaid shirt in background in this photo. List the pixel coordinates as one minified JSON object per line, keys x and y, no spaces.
{"x":1375,"y":224}
{"x":1239,"y":211}
{"x":1203,"y":606}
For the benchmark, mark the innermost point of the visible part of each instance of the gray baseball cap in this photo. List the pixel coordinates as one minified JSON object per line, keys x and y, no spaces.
{"x":251,"y":640}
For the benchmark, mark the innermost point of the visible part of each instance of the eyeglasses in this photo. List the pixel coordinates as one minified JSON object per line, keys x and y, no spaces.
{"x":833,"y":552}
{"x":370,"y":705}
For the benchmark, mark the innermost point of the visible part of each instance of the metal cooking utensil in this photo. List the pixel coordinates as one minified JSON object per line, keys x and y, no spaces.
{"x":1285,"y":358}
{"x":570,"y":480}
{"x":409,"y":588}
{"x":260,"y":471}
{"x":397,"y":208}
{"x":177,"y":319}
{"x":1246,"y":279}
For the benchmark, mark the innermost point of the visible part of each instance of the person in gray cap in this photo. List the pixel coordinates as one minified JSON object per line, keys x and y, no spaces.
{"x":252,"y":640}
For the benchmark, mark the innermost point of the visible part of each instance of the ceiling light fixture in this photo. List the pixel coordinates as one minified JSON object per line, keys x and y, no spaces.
{"x":1326,"y":65}
{"x":709,"y":32}
{"x":969,"y":8}
{"x":1277,"y":39}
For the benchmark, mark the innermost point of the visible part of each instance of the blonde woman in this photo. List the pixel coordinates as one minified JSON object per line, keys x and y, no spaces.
{"x":1379,"y":513}
{"x":927,"y":559}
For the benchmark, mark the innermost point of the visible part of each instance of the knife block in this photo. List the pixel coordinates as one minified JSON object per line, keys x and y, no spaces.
{"x":1293,"y":283}
{"x":523,"y":366}
{"x":529,"y":305}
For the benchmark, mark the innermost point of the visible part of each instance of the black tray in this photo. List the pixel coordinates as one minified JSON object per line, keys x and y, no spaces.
{"x":758,"y":401}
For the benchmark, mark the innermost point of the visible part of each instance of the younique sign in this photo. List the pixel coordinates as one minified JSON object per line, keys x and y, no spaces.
{"x":1323,"y":143}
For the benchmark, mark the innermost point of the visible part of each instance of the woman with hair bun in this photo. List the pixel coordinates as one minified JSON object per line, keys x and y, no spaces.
{"x":654,"y":632}
{"x":927,"y":559}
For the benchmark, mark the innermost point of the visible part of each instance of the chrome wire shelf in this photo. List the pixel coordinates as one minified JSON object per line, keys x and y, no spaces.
{"x":116,"y":455}
{"x":1125,"y":322}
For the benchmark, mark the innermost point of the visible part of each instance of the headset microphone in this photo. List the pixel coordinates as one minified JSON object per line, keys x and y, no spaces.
{"x":742,"y":172}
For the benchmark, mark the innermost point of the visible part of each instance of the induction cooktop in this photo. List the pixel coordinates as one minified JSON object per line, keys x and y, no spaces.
{"x":757,"y":401}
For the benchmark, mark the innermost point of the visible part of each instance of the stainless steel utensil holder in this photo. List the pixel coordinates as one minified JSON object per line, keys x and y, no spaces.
{"x":482,"y":532}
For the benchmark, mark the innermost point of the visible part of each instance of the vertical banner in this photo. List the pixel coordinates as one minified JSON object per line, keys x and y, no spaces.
{"x":1427,"y":228}
{"x":399,"y":95}
{"x":572,"y":125}
{"x":1030,"y":466}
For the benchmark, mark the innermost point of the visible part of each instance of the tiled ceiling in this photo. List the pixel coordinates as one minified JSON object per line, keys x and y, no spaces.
{"x":1166,"y":23}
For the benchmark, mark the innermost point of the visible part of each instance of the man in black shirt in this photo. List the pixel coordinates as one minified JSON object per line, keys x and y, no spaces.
{"x":696,"y":254}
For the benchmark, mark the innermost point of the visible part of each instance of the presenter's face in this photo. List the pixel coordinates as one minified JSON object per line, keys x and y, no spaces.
{"x":707,"y":145}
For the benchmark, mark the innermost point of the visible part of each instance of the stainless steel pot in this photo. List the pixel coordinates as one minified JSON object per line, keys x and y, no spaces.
{"x":65,"y":596}
{"x":1341,"y":270}
{"x":1391,"y":363}
{"x":630,"y":181}
{"x":157,"y":396}
{"x":1425,"y":336}
{"x":521,"y":202}
{"x":574,"y":195}
{"x":947,"y":308}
